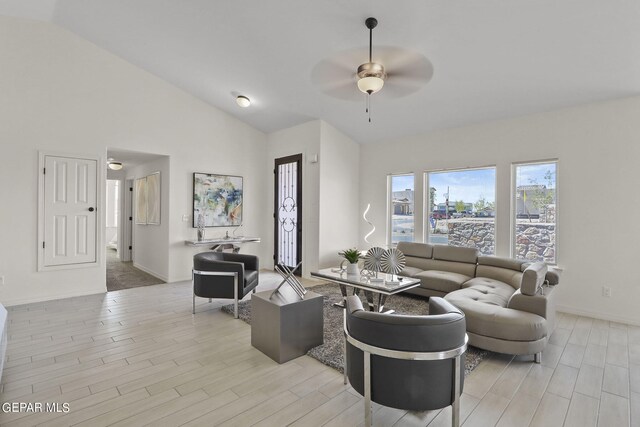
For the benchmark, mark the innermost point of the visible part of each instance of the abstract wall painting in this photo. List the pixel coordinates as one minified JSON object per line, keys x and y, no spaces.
{"x":141,"y":200}
{"x":218,"y":199}
{"x":153,"y":199}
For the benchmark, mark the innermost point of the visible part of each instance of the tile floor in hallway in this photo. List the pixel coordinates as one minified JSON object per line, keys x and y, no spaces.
{"x":138,"y":356}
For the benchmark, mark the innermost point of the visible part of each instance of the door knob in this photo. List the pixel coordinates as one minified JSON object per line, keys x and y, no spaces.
{"x":91,"y":209}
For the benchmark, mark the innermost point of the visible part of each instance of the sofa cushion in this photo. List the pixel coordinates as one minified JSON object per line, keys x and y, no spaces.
{"x":492,"y":320}
{"x":532,"y":278}
{"x":455,"y":253}
{"x":420,"y":263}
{"x":490,"y":291}
{"x":443,"y":281}
{"x":410,"y":271}
{"x":506,"y":275}
{"x":495,"y":261}
{"x":420,"y":250}
{"x":463,"y":268}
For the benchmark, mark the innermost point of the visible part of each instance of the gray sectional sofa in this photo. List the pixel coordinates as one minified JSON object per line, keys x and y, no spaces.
{"x":509,"y":304}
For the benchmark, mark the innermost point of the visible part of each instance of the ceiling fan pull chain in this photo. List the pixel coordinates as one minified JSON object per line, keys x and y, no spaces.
{"x":369,"y":109}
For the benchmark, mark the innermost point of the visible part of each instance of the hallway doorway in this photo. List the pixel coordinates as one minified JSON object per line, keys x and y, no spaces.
{"x":125,"y":269}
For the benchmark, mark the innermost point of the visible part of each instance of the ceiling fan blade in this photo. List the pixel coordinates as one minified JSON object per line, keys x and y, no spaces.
{"x":331,"y":70}
{"x":407,"y":71}
{"x":335,"y":78}
{"x":345,"y":91}
{"x":399,"y":89}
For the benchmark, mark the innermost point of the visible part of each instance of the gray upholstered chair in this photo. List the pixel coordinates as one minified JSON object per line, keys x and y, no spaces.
{"x":224,"y":275}
{"x":406,"y":362}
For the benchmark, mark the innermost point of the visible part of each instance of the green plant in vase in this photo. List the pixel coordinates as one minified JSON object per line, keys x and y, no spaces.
{"x":351,"y":256}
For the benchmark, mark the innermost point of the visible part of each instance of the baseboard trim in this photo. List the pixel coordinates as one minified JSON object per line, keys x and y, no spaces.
{"x":44,"y":298}
{"x":597,"y":315}
{"x":153,"y":273}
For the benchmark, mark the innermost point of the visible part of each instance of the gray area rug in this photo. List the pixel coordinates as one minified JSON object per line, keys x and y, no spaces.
{"x":123,"y":275}
{"x":330,"y":353}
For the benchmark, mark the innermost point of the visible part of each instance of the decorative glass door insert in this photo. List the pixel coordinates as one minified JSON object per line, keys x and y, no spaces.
{"x":288,"y":211}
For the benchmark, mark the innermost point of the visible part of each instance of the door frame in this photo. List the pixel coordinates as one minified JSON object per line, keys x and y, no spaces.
{"x":279,"y":161}
{"x":101,"y":183}
{"x":126,"y":221}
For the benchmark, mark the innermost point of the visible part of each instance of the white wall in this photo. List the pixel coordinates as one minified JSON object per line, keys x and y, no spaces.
{"x":305,"y":139}
{"x":339,"y":195}
{"x":151,"y":242}
{"x":62,"y":93}
{"x":599,"y":153}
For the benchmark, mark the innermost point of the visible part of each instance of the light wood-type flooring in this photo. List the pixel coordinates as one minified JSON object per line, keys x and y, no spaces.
{"x":138,"y":356}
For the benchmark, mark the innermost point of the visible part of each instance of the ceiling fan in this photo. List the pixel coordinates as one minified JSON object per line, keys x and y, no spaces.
{"x":400,"y":71}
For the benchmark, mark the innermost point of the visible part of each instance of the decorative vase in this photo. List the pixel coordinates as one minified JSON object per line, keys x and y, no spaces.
{"x":352,"y":268}
{"x":200,"y":225}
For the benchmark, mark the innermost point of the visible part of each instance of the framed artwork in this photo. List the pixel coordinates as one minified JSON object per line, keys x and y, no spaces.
{"x":217,"y":200}
{"x":141,"y":200}
{"x":153,"y":198}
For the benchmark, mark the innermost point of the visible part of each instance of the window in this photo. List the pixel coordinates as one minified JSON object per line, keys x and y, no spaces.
{"x":401,"y":205}
{"x":461,"y":206}
{"x":535,"y":211}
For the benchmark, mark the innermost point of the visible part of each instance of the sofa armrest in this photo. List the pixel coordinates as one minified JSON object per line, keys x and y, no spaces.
{"x":541,"y":304}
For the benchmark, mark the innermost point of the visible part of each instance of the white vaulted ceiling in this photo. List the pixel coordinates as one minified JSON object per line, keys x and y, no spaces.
{"x":491,"y":59}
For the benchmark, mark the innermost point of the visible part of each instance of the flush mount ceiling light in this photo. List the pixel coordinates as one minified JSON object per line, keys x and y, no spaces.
{"x":371,"y":75}
{"x":243,"y":101}
{"x":116,"y":166}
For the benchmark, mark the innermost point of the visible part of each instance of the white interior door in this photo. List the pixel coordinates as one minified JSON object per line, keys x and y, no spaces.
{"x":70,"y":217}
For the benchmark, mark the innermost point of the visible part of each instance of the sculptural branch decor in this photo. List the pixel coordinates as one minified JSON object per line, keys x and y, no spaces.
{"x":373,"y":229}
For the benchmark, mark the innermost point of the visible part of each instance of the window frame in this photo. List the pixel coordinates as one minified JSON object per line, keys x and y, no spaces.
{"x":390,"y":176}
{"x":425,"y":198}
{"x":513,"y":213}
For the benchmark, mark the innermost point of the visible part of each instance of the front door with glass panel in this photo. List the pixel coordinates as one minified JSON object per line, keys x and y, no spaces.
{"x":288,"y":212}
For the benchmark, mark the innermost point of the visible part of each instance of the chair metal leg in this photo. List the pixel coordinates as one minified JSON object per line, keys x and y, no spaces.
{"x":367,"y":389}
{"x":537,"y":358}
{"x":235,"y":295}
{"x":193,"y":287}
{"x":344,"y":360}
{"x":455,"y":406}
{"x":254,"y":290}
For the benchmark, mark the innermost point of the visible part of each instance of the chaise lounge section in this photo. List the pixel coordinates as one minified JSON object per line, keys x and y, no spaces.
{"x":509,"y":304}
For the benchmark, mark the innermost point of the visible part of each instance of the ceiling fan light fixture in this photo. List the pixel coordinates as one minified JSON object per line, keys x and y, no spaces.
{"x":371,"y":77}
{"x":116,"y":166}
{"x":370,"y":85}
{"x":243,"y":101}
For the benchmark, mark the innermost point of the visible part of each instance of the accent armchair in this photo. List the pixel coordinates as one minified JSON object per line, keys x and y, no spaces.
{"x":224,"y":275}
{"x":406,"y":362}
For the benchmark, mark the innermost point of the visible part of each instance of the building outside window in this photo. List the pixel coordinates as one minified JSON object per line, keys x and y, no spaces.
{"x":401,"y":200}
{"x":535,"y":211}
{"x":461,"y":208}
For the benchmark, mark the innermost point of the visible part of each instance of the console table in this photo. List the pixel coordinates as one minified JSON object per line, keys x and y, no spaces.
{"x":218,"y":243}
